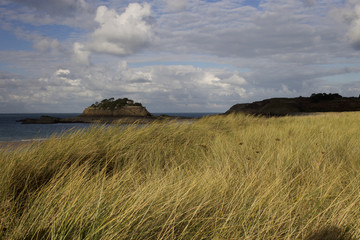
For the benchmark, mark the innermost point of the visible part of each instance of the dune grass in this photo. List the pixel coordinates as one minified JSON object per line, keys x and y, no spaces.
{"x":222,"y":177}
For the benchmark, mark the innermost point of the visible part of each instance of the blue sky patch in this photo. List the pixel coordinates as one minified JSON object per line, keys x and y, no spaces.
{"x":10,"y":42}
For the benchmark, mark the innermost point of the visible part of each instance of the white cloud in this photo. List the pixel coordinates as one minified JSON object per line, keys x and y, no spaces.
{"x":62,"y":77}
{"x":354,"y":31}
{"x":122,"y":34}
{"x":349,"y":15}
{"x":81,"y":55}
{"x":181,"y":87}
{"x":236,"y":80}
{"x":62,"y":73}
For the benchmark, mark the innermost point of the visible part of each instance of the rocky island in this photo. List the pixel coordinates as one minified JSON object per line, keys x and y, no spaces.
{"x":122,"y":110}
{"x":110,"y":110}
{"x":106,"y":111}
{"x":320,"y":102}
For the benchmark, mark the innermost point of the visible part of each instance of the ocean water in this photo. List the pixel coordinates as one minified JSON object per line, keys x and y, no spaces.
{"x":10,"y":130}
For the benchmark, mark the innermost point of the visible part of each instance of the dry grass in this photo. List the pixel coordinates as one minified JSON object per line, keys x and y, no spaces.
{"x":222,"y":177}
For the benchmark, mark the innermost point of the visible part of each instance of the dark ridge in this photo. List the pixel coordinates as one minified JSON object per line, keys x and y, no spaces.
{"x":320,"y":102}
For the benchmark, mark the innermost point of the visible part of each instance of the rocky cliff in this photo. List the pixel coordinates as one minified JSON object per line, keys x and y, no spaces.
{"x":292,"y":106}
{"x":125,"y":111}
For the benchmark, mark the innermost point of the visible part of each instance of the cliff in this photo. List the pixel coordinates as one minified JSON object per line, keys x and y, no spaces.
{"x":110,"y":110}
{"x":292,"y":106}
{"x":125,"y":111}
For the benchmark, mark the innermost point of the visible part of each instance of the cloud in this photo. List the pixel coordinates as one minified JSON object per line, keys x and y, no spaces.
{"x":309,"y":3}
{"x":40,"y":43}
{"x":177,"y":5}
{"x":181,"y":87}
{"x":122,"y":34}
{"x":349,"y":15}
{"x":54,"y":93}
{"x":45,"y":44}
{"x":206,"y":58}
{"x":62,"y":73}
{"x":14,"y":93}
{"x":8,"y":80}
{"x":81,"y":55}
{"x":59,"y":7}
{"x":354,"y":30}
{"x":72,"y":13}
{"x":64,"y":76}
{"x":228,"y":29}
{"x":165,"y":88}
{"x":236,"y":80}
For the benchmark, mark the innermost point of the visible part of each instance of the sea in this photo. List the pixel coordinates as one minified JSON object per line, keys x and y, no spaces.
{"x":13,"y":131}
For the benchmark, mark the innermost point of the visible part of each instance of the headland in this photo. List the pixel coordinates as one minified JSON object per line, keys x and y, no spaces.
{"x":320,"y":102}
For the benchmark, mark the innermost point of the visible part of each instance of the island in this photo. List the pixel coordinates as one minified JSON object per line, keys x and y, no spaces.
{"x":317,"y":102}
{"x":110,"y":110}
{"x":122,"y":110}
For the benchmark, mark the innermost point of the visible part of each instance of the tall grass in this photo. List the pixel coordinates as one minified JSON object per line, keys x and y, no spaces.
{"x":222,"y":177}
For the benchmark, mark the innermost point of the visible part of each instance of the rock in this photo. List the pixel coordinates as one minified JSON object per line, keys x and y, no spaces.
{"x":42,"y":120}
{"x":125,"y":111}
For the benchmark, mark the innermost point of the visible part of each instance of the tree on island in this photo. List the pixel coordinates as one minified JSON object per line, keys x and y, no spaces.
{"x":112,"y":104}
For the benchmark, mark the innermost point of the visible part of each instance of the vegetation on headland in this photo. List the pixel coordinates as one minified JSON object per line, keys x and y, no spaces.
{"x":221,"y":177}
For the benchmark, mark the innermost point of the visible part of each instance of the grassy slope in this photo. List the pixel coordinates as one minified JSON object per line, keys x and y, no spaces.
{"x":222,"y":177}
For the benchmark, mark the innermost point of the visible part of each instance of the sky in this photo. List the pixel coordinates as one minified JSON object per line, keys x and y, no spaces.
{"x":61,"y":56}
